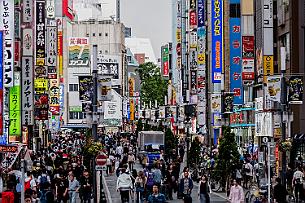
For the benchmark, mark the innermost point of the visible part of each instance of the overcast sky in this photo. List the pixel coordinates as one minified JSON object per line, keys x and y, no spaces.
{"x":149,"y":19}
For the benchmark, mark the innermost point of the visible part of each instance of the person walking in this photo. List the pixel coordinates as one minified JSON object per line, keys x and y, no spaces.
{"x":186,"y":187}
{"x":73,"y":188}
{"x":124,"y":185}
{"x":131,"y":160}
{"x":204,"y":190}
{"x":156,"y":197}
{"x":140,"y":184}
{"x":298,"y":178}
{"x":86,"y":187}
{"x":279,"y":192}
{"x":170,"y":181}
{"x":61,"y":189}
{"x":248,"y":173}
{"x":236,"y":193}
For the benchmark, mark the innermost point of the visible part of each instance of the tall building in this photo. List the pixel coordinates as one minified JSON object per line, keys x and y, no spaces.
{"x":109,"y":37}
{"x":142,"y":49}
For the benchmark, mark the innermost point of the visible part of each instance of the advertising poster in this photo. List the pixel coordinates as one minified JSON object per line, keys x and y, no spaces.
{"x":79,"y":54}
{"x":41,"y":102}
{"x":27,"y":42}
{"x":201,"y":46}
{"x":15,"y":110}
{"x":235,"y":61}
{"x":228,"y":103}
{"x":193,"y":58}
{"x":295,"y":90}
{"x":112,"y":110}
{"x":1,"y":88}
{"x":40,"y":33}
{"x":7,"y":26}
{"x":264,"y":124}
{"x":27,"y":91}
{"x":27,"y":11}
{"x":51,"y":59}
{"x":248,"y":47}
{"x":85,"y":88}
{"x":216,"y":120}
{"x":193,"y":19}
{"x":193,"y":39}
{"x":216,"y":103}
{"x":108,"y":65}
{"x":217,"y":40}
{"x":274,"y":88}
{"x":162,"y":112}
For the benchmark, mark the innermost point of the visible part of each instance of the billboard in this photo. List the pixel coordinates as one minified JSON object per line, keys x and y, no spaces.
{"x":1,"y":88}
{"x":274,"y":88}
{"x":217,"y":40}
{"x":131,"y":86}
{"x":85,"y":88}
{"x":15,"y":109}
{"x":165,"y":60}
{"x":60,"y":52}
{"x":295,"y":90}
{"x":7,"y":26}
{"x":79,"y":54}
{"x":112,"y":110}
{"x":41,"y":106}
{"x":201,"y":46}
{"x":235,"y":61}
{"x":27,"y":91}
{"x":109,"y":65}
{"x":264,"y":124}
{"x":40,"y":33}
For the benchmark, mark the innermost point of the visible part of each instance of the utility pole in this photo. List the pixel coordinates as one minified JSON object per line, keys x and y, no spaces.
{"x":94,"y":115}
{"x":283,"y":111}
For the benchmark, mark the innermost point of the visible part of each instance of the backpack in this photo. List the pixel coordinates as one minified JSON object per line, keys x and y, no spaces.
{"x":43,"y":179}
{"x":27,"y":184}
{"x":157,"y":176}
{"x":7,"y":197}
{"x":43,"y":196}
{"x":150,"y":179}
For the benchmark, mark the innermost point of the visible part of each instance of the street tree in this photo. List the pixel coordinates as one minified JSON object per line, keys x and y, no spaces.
{"x":171,"y":142}
{"x":153,"y":86}
{"x":228,"y":155}
{"x":194,"y":154}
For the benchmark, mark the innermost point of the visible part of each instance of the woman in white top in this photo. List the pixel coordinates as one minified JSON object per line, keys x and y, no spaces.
{"x":140,"y":184}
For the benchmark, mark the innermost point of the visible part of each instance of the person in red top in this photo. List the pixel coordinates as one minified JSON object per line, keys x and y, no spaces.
{"x":8,"y":195}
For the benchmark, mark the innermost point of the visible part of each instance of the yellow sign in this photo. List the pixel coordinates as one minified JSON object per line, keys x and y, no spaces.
{"x":201,"y":58}
{"x":178,"y":35}
{"x":131,"y":104}
{"x":40,"y":62}
{"x":131,"y":83}
{"x":41,"y":85}
{"x":277,"y":132}
{"x":268,"y":67}
{"x":179,"y":63}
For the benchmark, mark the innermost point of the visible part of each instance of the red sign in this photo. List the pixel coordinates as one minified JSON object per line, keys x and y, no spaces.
{"x":1,"y":110}
{"x":17,"y":53}
{"x":248,"y":75}
{"x":8,"y":149}
{"x":54,"y":110}
{"x":165,"y":69}
{"x":193,"y":18}
{"x":101,"y":159}
{"x":248,"y":46}
{"x":67,"y":9}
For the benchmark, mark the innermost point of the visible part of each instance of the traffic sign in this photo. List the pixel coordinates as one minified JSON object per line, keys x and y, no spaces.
{"x":101,"y":159}
{"x":265,"y":140}
{"x":101,"y":168}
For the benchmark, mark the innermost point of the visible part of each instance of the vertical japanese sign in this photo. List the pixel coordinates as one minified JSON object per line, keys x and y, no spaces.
{"x":50,"y":8}
{"x":235,"y":61}
{"x":27,"y":11}
{"x":200,"y":13}
{"x":7,"y":25}
{"x":217,"y":40}
{"x":1,"y":89}
{"x":27,"y":42}
{"x":248,"y":54}
{"x":54,"y":96}
{"x":27,"y":91}
{"x":178,"y":36}
{"x":51,"y":49}
{"x":267,"y":22}
{"x":15,"y":110}
{"x":132,"y":109}
{"x":165,"y":60}
{"x":40,"y":33}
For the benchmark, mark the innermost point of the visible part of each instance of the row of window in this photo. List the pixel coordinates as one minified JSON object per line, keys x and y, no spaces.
{"x":99,"y":34}
{"x":77,"y":115}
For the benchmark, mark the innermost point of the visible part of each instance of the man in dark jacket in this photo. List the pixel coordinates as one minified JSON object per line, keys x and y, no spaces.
{"x":185,"y":187}
{"x":279,"y":192}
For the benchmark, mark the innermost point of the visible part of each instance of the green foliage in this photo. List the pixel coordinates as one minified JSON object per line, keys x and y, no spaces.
{"x":91,"y":149}
{"x":171,"y":141}
{"x":147,"y":127}
{"x":228,"y":156}
{"x":194,"y":155}
{"x":153,"y":86}
{"x":139,"y":127}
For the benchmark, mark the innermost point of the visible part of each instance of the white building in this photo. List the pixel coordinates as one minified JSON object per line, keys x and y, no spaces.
{"x":109,"y":37}
{"x":142,"y":46}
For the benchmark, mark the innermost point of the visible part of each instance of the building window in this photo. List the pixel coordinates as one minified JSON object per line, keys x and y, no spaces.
{"x":106,"y":51}
{"x":235,"y":10}
{"x":100,"y":34}
{"x":73,"y":87}
{"x":77,"y":115}
{"x":87,"y":35}
{"x":106,"y":34}
{"x":93,"y":34}
{"x":129,"y":58}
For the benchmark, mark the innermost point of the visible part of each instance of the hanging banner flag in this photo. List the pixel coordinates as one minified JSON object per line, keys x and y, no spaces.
{"x":216,"y":103}
{"x":235,"y":61}
{"x":27,"y":11}
{"x":15,"y":110}
{"x":295,"y":90}
{"x":7,"y":26}
{"x":228,"y":103}
{"x":217,"y":40}
{"x":200,"y":13}
{"x":274,"y":88}
{"x":27,"y":91}
{"x":40,"y":33}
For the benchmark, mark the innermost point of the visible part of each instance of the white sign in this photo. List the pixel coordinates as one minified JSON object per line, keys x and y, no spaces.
{"x":27,"y":11}
{"x":27,"y":91}
{"x":27,"y":42}
{"x":52,"y":46}
{"x":112,"y":110}
{"x":248,"y":65}
{"x":50,"y":8}
{"x":101,"y":168}
{"x":264,"y":124}
{"x":7,"y":25}
{"x":274,"y":88}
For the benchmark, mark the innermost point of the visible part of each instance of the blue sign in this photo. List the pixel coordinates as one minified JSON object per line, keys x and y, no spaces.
{"x":1,"y":60}
{"x":236,"y":61}
{"x":128,"y":111}
{"x":217,"y":40}
{"x":200,"y":12}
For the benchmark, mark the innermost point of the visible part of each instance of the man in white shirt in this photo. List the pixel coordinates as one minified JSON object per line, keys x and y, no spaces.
{"x":32,"y":182}
{"x":297,"y":181}
{"x":119,"y":152}
{"x":249,"y":173}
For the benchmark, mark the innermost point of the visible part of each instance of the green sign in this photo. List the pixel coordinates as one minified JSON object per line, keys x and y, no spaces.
{"x":75,"y":109}
{"x":165,"y":53}
{"x":15,"y":107}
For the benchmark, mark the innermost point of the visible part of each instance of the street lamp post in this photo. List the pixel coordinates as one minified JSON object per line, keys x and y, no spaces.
{"x":188,"y":140}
